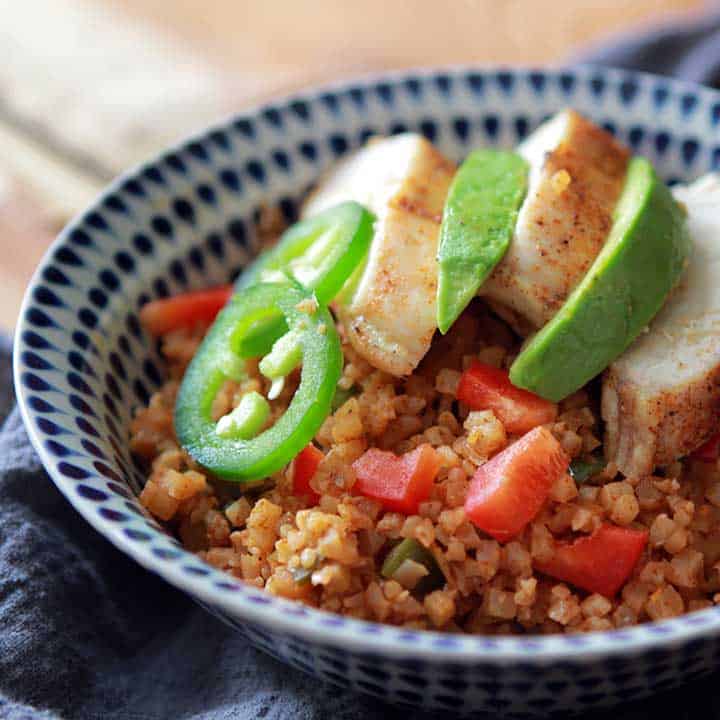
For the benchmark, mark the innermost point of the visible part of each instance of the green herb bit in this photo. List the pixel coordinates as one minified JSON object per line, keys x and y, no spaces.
{"x":342,"y":395}
{"x":583,"y":470}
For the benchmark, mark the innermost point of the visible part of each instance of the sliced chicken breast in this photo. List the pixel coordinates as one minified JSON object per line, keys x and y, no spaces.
{"x":391,"y":315}
{"x":577,"y":173}
{"x":661,"y":398}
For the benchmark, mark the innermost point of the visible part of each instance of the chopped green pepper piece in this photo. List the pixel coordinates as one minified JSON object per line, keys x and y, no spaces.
{"x":582,"y":470}
{"x":246,"y":420}
{"x":478,"y":223}
{"x":410,"y":549}
{"x":342,"y":396}
{"x":320,"y":253}
{"x":247,"y":460}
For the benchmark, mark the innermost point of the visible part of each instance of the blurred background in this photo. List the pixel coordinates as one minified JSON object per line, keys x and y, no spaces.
{"x":88,"y":88}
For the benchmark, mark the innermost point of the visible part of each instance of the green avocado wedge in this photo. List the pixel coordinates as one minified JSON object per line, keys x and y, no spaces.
{"x":627,"y":284}
{"x":478,"y":223}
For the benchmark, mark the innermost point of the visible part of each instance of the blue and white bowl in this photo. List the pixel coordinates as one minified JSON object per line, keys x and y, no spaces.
{"x":188,"y":219}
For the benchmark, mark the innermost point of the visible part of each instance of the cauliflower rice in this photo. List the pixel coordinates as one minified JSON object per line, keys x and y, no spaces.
{"x":329,"y":555}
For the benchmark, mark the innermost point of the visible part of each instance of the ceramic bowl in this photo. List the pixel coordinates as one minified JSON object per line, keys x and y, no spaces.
{"x":188,"y":219}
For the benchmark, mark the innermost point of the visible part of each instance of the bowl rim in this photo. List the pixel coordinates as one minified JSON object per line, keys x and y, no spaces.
{"x":324,"y":627}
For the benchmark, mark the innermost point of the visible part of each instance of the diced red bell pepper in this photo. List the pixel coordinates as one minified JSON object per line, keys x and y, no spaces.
{"x":484,"y":387}
{"x":507,"y":492}
{"x":600,"y":562}
{"x":709,"y":451}
{"x":305,"y":466}
{"x":187,"y":310}
{"x":398,"y":483}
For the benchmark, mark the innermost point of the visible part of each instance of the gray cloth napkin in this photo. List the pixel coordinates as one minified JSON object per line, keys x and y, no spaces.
{"x":86,"y":633}
{"x":688,"y":50}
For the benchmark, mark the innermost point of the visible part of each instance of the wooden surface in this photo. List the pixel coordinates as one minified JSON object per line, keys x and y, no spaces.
{"x":284,"y":43}
{"x":101,"y":84}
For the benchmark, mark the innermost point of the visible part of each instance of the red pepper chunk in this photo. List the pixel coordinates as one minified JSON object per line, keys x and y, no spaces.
{"x":507,"y":492}
{"x":398,"y":483}
{"x":598,"y":563}
{"x":484,"y":387}
{"x":184,"y":311}
{"x":708,"y":451}
{"x":305,"y":466}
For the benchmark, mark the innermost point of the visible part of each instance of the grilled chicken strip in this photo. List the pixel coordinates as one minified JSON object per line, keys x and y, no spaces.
{"x":403,"y":180}
{"x":661,"y":398}
{"x":577,"y":173}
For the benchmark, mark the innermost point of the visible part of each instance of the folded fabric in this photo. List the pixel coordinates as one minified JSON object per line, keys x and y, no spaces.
{"x":85,"y":632}
{"x":689,"y":50}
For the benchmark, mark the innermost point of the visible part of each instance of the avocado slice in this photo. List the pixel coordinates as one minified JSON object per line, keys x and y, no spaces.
{"x":478,"y":223}
{"x":642,"y":259}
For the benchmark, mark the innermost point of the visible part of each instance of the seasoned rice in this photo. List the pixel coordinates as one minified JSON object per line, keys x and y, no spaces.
{"x":329,"y":555}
